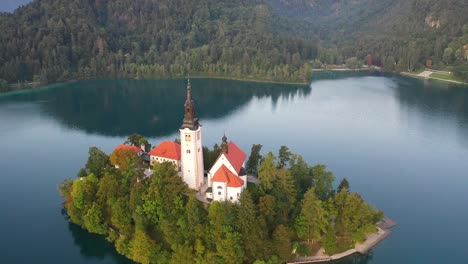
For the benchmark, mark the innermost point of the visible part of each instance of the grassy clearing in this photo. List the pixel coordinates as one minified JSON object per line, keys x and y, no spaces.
{"x":443,"y":76}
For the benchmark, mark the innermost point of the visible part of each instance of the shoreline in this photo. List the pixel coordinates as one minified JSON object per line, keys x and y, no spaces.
{"x":243,"y":79}
{"x":408,"y":74}
{"x":431,"y":78}
{"x":383,"y":231}
{"x":38,"y":88}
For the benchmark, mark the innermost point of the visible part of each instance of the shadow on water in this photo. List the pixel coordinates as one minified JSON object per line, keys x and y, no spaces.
{"x":94,"y":246}
{"x":355,"y":259}
{"x":152,"y":108}
{"x":336,"y":75}
{"x":442,"y":102}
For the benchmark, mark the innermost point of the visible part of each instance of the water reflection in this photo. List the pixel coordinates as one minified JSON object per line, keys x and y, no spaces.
{"x":95,"y":247}
{"x":151,"y":108}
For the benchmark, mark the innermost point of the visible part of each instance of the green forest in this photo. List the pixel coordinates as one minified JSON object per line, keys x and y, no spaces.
{"x":158,"y":219}
{"x":51,"y":41}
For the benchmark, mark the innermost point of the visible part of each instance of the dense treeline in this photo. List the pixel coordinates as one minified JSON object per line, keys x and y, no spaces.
{"x":399,"y":35}
{"x":159,"y":220}
{"x":49,"y":41}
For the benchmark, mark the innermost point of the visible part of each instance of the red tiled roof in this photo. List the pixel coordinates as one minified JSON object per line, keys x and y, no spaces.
{"x":133,"y":148}
{"x":223,"y":174}
{"x":167,"y":149}
{"x":235,"y":156}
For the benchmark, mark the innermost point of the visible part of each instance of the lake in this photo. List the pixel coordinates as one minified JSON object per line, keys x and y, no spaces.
{"x":401,"y":142}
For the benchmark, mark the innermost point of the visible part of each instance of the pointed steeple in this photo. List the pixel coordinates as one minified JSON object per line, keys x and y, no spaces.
{"x":224,"y":145}
{"x":190,"y":119}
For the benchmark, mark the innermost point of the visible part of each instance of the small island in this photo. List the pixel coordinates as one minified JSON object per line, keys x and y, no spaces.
{"x":162,"y":206}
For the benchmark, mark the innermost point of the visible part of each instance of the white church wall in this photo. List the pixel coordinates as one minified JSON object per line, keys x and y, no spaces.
{"x":219,"y":191}
{"x":233,"y":193}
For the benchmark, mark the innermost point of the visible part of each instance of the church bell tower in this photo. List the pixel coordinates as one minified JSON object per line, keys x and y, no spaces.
{"x":191,"y":145}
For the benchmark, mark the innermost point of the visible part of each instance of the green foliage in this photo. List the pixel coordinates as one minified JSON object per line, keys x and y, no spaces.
{"x":284,"y":155}
{"x":312,"y":221}
{"x":210,"y":156}
{"x":254,"y":159}
{"x":323,"y":182}
{"x":159,"y":220}
{"x":344,"y":184}
{"x":97,"y":163}
{"x":282,"y":243}
{"x":353,"y":63}
{"x":462,"y":72}
{"x":4,"y":86}
{"x":143,"y":248}
{"x":151,"y":39}
{"x":267,"y":171}
{"x":138,"y":140}
{"x":93,"y":220}
{"x":301,"y":173}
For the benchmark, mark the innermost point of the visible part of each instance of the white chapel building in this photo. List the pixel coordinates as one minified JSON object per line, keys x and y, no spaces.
{"x":227,"y":177}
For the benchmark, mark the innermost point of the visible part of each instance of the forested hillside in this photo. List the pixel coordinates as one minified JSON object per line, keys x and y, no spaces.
{"x":400,"y":35}
{"x":56,"y":40}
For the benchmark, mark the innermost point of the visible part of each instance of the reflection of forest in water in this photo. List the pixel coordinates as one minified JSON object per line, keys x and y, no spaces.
{"x":151,"y":108}
{"x":445,"y":104}
{"x":94,"y":246}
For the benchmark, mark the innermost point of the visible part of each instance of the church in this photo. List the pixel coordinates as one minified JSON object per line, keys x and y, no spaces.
{"x":224,"y":181}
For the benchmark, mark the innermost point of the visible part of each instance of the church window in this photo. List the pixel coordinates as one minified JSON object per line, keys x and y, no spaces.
{"x":219,"y":187}
{"x":219,"y":193}
{"x":230,"y":197}
{"x":198,"y":135}
{"x":238,"y":195}
{"x":187,"y":138}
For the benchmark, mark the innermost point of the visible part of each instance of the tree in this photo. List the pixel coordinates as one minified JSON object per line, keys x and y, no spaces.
{"x":282,"y":243}
{"x":301,"y":173}
{"x":4,"y":87}
{"x":138,"y":140}
{"x":285,"y":193}
{"x":267,"y":172}
{"x":353,"y":63}
{"x":143,"y":248}
{"x":355,"y":218}
{"x":251,"y":228}
{"x":93,"y":220}
{"x":323,"y":181}
{"x":284,"y":156}
{"x":312,"y":221}
{"x":97,"y":163}
{"x":344,"y":184}
{"x":124,"y":158}
{"x":389,"y":64}
{"x":448,"y":56}
{"x":254,"y":159}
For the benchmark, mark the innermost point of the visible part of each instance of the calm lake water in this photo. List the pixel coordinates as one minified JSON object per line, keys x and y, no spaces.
{"x":402,"y":143}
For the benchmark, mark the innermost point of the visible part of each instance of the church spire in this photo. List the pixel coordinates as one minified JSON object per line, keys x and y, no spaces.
{"x":190,"y":119}
{"x":189,"y":90}
{"x":224,"y":145}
